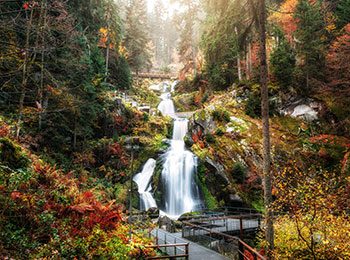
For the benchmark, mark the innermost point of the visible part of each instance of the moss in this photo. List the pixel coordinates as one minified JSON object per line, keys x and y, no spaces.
{"x":221,"y":115}
{"x":259,"y":205}
{"x":185,"y":102}
{"x":209,"y":138}
{"x":201,"y":153}
{"x":209,"y":200}
{"x":157,"y":183}
{"x":239,"y":172}
{"x":11,"y":155}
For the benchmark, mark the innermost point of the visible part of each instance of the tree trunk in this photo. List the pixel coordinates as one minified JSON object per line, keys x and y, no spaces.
{"x":249,"y":61}
{"x":24,"y":75}
{"x":239,"y":70}
{"x":269,"y":233}
{"x":41,"y":88}
{"x":108,"y":43}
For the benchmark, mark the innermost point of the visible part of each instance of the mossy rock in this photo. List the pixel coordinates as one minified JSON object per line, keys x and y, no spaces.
{"x":11,"y":155}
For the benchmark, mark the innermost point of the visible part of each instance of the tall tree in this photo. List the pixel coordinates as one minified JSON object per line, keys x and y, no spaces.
{"x":187,"y":47}
{"x":282,"y":60}
{"x":137,"y":35}
{"x":269,"y":233}
{"x":310,"y":36}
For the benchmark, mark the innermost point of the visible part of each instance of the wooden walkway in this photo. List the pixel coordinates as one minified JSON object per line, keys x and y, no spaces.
{"x":155,"y":75}
{"x":196,"y":252}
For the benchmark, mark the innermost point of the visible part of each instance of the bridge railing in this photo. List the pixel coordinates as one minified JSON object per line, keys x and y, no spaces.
{"x":155,"y":75}
{"x":172,"y":246}
{"x":224,"y":243}
{"x":171,"y":256}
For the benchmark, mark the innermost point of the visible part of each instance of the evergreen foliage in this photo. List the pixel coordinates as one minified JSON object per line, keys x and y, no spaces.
{"x":310,"y":36}
{"x":342,"y":12}
{"x":283,"y":61}
{"x":137,"y":36}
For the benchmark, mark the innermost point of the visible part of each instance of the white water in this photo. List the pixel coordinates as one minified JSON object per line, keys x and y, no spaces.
{"x":166,"y":106}
{"x":181,"y":191}
{"x":143,"y":180}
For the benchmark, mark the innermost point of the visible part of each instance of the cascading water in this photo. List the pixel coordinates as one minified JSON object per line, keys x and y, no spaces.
{"x":143,"y":180}
{"x":181,"y":190}
{"x":166,"y":106}
{"x":181,"y":193}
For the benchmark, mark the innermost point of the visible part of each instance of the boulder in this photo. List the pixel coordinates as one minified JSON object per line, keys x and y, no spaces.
{"x":166,"y":223}
{"x":220,"y":170}
{"x":307,"y":109}
{"x":153,"y":212}
{"x":305,"y":112}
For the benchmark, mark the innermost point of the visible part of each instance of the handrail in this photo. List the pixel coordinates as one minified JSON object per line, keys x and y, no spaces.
{"x":241,"y":244}
{"x":186,"y":254}
{"x":175,"y":245}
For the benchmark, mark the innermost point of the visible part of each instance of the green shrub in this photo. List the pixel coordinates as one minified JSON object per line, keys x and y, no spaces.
{"x":220,"y":131}
{"x":210,"y":138}
{"x":221,"y":115}
{"x":11,"y":155}
{"x":239,"y":172}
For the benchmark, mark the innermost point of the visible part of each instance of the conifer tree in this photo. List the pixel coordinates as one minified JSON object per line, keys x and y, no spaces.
{"x":137,"y":35}
{"x":310,"y":36}
{"x":282,"y":61}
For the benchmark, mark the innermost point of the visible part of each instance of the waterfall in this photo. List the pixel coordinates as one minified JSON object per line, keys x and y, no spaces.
{"x":143,"y":180}
{"x":166,"y":106}
{"x":181,"y":191}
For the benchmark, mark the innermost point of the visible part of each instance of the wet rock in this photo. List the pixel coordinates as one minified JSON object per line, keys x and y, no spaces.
{"x":306,"y":112}
{"x":220,"y":170}
{"x":235,"y":198}
{"x":153,"y":212}
{"x":307,"y":109}
{"x":166,"y":223}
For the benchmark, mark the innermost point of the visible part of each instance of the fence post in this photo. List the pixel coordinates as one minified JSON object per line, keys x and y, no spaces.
{"x":241,"y":227}
{"x":187,"y":251}
{"x":175,"y":249}
{"x":240,"y":250}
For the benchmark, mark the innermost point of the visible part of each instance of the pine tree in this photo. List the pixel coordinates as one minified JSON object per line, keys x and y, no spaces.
{"x":282,"y":61}
{"x":310,"y":36}
{"x":137,"y":36}
{"x":187,"y":47}
{"x":343,"y":13}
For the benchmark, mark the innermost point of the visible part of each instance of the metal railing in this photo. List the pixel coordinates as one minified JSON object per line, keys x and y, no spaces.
{"x":184,"y":255}
{"x":221,"y":242}
{"x":171,"y":246}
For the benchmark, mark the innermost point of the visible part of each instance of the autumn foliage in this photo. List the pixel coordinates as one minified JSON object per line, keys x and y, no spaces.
{"x":60,"y":217}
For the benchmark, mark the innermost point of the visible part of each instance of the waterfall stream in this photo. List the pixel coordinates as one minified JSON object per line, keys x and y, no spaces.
{"x":181,"y":193}
{"x":143,"y":180}
{"x":166,"y":106}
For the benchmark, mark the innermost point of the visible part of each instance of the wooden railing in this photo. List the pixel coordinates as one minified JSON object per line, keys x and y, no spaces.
{"x":154,"y":75}
{"x":175,"y":255}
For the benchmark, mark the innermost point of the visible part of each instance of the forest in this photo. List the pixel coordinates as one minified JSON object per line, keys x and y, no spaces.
{"x":117,"y":116}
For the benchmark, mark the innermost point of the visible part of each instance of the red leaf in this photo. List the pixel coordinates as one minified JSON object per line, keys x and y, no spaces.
{"x":15,"y":195}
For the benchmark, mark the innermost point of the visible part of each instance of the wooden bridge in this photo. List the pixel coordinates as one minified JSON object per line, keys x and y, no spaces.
{"x":151,"y":75}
